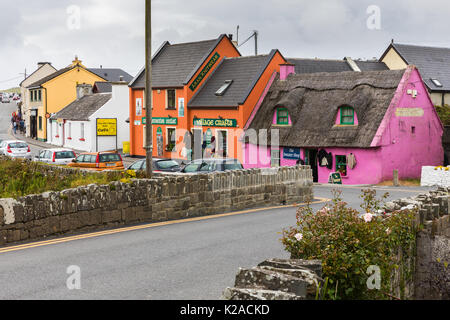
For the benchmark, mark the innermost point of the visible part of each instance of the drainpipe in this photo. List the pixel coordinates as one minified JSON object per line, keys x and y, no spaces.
{"x":45,"y":113}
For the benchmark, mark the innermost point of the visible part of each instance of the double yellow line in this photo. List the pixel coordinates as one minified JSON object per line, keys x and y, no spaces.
{"x":146,"y":226}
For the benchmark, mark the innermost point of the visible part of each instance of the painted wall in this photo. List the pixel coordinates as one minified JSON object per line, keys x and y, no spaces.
{"x":394,"y":61}
{"x":73,"y":140}
{"x":409,"y":138}
{"x":411,"y":142}
{"x":41,"y":72}
{"x":226,"y":49}
{"x":61,"y":91}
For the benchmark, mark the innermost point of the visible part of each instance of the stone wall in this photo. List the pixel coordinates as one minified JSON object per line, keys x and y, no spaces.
{"x":164,"y":198}
{"x":432,"y":269}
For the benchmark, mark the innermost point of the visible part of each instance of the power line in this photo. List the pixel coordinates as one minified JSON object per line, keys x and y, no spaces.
{"x":3,"y":81}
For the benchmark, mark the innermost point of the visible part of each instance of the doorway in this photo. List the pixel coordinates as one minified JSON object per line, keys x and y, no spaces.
{"x":311,"y":160}
{"x":33,"y":127}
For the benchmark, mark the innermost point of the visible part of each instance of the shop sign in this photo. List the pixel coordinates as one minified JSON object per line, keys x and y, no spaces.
{"x":335,"y":178}
{"x":162,"y":121}
{"x":291,"y":153}
{"x":222,"y":123}
{"x":204,"y":72}
{"x":409,"y":112}
{"x":107,"y":127}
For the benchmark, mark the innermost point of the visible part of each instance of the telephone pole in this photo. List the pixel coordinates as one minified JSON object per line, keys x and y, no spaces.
{"x":148,"y":88}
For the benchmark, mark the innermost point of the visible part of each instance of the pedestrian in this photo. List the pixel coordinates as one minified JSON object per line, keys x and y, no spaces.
{"x":15,"y":126}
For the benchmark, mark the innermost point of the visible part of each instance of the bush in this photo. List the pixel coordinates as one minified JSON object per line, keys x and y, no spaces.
{"x":347,"y":244}
{"x":20,"y":178}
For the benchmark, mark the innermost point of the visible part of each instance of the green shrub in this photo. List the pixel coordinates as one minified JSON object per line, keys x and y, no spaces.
{"x":348,"y":244}
{"x":20,"y":178}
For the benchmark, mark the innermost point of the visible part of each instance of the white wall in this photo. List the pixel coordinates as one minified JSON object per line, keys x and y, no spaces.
{"x":432,"y":176}
{"x":54,"y":133}
{"x":117,"y":107}
{"x":75,"y":142}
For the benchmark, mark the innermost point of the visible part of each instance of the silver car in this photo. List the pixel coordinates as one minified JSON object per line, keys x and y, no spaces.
{"x":15,"y":149}
{"x":56,"y":156}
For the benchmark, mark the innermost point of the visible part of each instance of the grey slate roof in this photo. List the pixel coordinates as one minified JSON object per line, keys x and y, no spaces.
{"x":102,"y":87}
{"x":313,"y":101}
{"x":174,"y":63}
{"x":112,"y":75}
{"x":82,"y":109}
{"x":325,"y":65}
{"x":244,"y":71}
{"x":432,"y":62}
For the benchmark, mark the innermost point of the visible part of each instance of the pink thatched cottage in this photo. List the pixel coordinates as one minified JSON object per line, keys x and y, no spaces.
{"x":361,"y":124}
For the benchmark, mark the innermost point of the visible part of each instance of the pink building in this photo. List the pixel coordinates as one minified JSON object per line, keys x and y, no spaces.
{"x":362,"y":124}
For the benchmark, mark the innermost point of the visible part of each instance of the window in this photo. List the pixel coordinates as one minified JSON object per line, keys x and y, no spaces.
{"x":31,"y":96}
{"x":224,"y":88}
{"x":40,"y":95}
{"x":341,"y":165}
{"x":82,"y":131}
{"x":171,"y":104}
{"x":275,"y":158}
{"x":222,"y":143}
{"x":40,"y":123}
{"x":282,"y":116}
{"x":437,"y":83}
{"x":70,"y":131}
{"x":347,"y":116}
{"x":64,"y":155}
{"x":109,"y":157}
{"x":172,"y":140}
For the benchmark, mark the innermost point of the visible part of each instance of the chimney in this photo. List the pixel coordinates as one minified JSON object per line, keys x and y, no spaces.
{"x":83,"y":90}
{"x":286,"y":69}
{"x":121,"y":78}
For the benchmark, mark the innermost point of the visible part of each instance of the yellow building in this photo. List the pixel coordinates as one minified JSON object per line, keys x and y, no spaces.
{"x":54,"y":92}
{"x":431,"y":62}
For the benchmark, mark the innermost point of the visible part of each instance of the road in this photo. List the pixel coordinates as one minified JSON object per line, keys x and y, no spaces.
{"x":188,"y":260}
{"x":6,"y":110}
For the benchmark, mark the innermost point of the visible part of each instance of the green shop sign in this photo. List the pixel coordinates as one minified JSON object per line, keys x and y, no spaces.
{"x":222,"y":123}
{"x":205,"y":71}
{"x":162,"y":121}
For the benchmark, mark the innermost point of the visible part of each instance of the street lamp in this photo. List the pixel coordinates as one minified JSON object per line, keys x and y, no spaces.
{"x":148,"y":88}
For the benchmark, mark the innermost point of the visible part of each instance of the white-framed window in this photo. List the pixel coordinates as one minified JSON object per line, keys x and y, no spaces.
{"x":171,"y":138}
{"x":222,"y":143}
{"x":171,"y":99}
{"x":275,"y":158}
{"x":82,"y":131}
{"x":70,"y":130}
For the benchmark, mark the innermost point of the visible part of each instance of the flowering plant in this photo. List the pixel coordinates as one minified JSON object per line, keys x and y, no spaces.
{"x":348,"y":243}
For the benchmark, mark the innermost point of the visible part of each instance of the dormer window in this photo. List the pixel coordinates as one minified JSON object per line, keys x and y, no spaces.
{"x":224,"y":88}
{"x":347,"y":116}
{"x":282,"y":116}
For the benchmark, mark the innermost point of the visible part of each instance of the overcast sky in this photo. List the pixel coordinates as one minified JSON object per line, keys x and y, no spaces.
{"x":111,"y":32}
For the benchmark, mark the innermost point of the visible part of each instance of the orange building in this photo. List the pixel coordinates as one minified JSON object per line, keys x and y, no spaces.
{"x":202,"y":88}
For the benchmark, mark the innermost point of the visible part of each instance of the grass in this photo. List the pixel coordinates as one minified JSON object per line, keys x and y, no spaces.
{"x":403,"y":183}
{"x":20,"y":178}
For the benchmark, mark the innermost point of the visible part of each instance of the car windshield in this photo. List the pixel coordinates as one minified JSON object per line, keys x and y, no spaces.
{"x":192,"y":167}
{"x":167,"y":164}
{"x":18,"y":145}
{"x":137,"y":165}
{"x":109,"y":157}
{"x":64,"y":155}
{"x":232,"y":165}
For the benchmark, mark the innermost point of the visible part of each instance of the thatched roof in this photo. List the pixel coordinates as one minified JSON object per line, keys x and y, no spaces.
{"x":313,"y":101}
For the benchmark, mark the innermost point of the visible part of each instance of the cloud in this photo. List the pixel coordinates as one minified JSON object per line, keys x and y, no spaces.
{"x":112,"y":31}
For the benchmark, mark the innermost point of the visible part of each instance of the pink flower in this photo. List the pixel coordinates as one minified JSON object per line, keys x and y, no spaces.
{"x":299,"y":237}
{"x":368,"y":217}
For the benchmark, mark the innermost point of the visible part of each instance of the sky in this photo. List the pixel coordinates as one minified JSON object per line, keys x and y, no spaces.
{"x":111,"y":33}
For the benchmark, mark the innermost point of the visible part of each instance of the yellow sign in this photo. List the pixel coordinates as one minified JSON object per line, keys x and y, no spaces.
{"x":107,"y":127}
{"x":409,"y":112}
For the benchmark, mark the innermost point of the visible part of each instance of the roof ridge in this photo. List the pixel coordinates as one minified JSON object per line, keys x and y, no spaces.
{"x":420,"y":46}
{"x":191,"y":42}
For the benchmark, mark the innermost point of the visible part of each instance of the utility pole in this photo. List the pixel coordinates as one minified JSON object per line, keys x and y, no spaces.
{"x":148,"y":88}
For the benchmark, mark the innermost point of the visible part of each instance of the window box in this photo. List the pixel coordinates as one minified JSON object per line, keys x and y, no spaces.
{"x":82,"y":139}
{"x":69,"y":138}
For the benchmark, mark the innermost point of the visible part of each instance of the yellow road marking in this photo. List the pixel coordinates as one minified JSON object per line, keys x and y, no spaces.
{"x":146,"y":226}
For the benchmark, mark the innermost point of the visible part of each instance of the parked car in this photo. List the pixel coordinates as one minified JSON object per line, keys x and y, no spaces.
{"x":56,"y":156}
{"x":15,"y":149}
{"x":212,"y":165}
{"x":6,"y":99}
{"x":98,"y":161}
{"x":159,"y":165}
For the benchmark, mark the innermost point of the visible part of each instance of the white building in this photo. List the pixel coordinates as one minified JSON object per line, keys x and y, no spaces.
{"x":75,"y":126}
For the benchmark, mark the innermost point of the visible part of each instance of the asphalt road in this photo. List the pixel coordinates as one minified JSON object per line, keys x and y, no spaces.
{"x":6,"y":110}
{"x":189,"y":260}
